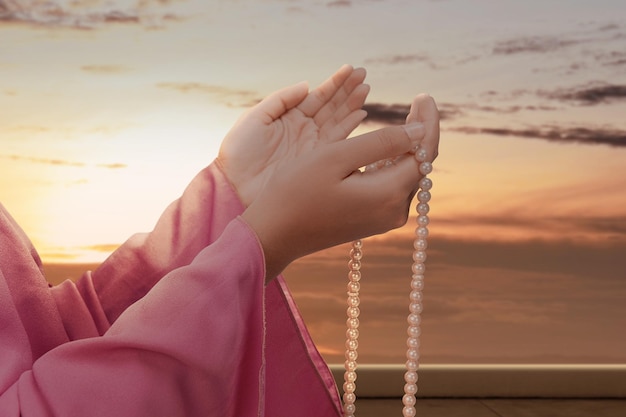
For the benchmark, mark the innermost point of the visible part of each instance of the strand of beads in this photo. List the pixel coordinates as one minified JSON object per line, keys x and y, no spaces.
{"x":417,"y":285}
{"x":352,"y":333}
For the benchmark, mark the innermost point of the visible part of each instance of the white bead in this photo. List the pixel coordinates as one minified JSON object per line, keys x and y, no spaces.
{"x":352,"y":322}
{"x":413,"y":343}
{"x":418,"y":268}
{"x":354,"y":276}
{"x":415,"y":308}
{"x":423,"y":220}
{"x":410,"y":377}
{"x":413,"y":331}
{"x":354,"y":301}
{"x":349,"y":408}
{"x":354,"y":265}
{"x":426,"y":168}
{"x":358,"y":244}
{"x":408,"y":412}
{"x":351,"y":355}
{"x":352,"y":344}
{"x":412,"y":365}
{"x":350,"y":376}
{"x":356,"y":254}
{"x":349,"y":387}
{"x":353,"y":312}
{"x":354,"y":287}
{"x":416,"y":296}
{"x":420,"y":244}
{"x":349,"y":398}
{"x":422,"y":208}
{"x":350,"y":366}
{"x":413,"y":319}
{"x":423,"y":196}
{"x":421,"y":232}
{"x":417,"y":283}
{"x":421,"y":155}
{"x":408,"y":399}
{"x":410,"y":389}
{"x":426,"y":184}
{"x":352,"y":334}
{"x":412,"y":354}
{"x":419,"y":256}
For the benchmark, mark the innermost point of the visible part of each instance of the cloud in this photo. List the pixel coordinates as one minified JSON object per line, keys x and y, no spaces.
{"x":591,"y":94}
{"x":104,"y":247}
{"x":59,"y":162}
{"x":396,"y":113}
{"x":534,"y":44}
{"x":47,"y":161}
{"x":535,"y":295}
{"x":403,"y":59}
{"x":104,"y":69}
{"x":229,"y":96}
{"x":339,"y":3}
{"x":386,"y":113}
{"x":586,"y":135}
{"x":85,"y":14}
{"x":112,"y":166}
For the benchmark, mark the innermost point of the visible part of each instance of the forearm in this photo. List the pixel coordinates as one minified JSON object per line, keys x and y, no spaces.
{"x":178,"y":351}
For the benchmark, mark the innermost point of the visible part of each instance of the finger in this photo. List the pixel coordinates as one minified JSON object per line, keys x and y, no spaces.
{"x":340,"y":124}
{"x":344,"y":101}
{"x":325,"y":91}
{"x":374,"y":146}
{"x":424,"y":110}
{"x":281,"y":101}
{"x":340,"y":131}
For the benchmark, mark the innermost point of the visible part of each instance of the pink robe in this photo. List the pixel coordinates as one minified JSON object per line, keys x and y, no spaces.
{"x":176,"y":322}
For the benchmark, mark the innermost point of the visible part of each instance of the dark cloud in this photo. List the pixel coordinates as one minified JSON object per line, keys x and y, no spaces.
{"x":396,"y":113}
{"x":400,"y":59}
{"x":84,"y":14}
{"x":339,"y":3}
{"x":592,"y":94}
{"x":386,"y":113}
{"x":603,"y":136}
{"x":229,"y":96}
{"x":535,"y":44}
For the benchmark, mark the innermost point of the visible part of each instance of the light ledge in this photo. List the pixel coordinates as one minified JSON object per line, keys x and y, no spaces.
{"x":505,"y":381}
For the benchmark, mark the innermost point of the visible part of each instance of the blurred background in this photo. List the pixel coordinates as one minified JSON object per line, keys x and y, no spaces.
{"x":108,"y":109}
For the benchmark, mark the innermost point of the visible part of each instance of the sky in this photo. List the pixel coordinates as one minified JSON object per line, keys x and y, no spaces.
{"x":108,"y":109}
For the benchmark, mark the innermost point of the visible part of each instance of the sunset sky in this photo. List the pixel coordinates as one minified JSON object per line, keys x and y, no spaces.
{"x":108,"y":108}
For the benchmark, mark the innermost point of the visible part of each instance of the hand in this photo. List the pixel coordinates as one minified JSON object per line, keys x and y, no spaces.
{"x":319,"y":198}
{"x":289,"y":123}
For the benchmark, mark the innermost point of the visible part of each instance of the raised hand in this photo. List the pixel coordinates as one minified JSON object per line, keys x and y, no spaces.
{"x":320,"y":198}
{"x":289,"y":123}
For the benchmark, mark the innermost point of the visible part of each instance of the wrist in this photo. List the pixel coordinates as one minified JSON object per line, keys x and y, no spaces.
{"x":275,"y":253}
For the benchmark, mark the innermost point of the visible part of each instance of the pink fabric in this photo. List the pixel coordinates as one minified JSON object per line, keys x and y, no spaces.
{"x":176,"y":322}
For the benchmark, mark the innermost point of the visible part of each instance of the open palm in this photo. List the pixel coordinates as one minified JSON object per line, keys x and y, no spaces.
{"x":287,"y":123}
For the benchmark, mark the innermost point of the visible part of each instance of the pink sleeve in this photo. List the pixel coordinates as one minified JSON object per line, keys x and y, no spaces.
{"x":189,"y":224}
{"x":192,"y":347}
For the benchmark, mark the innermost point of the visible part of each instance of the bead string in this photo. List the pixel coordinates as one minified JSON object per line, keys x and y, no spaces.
{"x":414,"y":319}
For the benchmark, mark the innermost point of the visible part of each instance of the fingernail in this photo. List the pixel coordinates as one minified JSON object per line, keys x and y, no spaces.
{"x":415,"y":131}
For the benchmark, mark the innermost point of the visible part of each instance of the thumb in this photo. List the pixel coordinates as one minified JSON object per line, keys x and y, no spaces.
{"x":281,"y":101}
{"x":379,"y":144}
